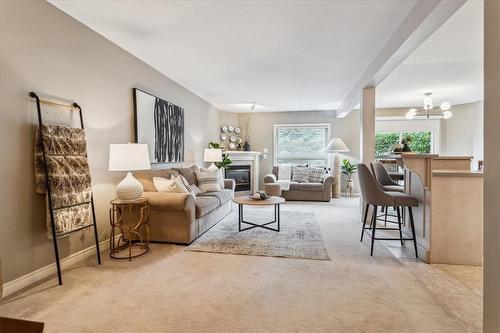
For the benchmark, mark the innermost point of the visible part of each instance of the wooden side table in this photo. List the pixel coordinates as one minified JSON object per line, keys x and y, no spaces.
{"x":129,"y":218}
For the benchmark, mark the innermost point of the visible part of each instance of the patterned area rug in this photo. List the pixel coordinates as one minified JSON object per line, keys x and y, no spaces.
{"x":300,"y":236}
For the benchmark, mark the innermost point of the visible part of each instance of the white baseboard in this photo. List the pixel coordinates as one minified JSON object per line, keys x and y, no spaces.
{"x":24,"y":281}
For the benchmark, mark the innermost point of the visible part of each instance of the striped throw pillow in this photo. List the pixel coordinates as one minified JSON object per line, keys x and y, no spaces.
{"x":316,"y":175}
{"x":300,"y":175}
{"x":208,"y":181}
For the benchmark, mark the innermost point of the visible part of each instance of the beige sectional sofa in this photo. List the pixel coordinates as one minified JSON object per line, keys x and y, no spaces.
{"x":178,"y":217}
{"x":305,"y":191}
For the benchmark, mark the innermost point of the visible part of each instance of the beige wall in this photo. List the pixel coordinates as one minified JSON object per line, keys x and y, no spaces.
{"x":491,"y":292}
{"x":228,"y":118}
{"x":47,"y":51}
{"x":260,"y":131}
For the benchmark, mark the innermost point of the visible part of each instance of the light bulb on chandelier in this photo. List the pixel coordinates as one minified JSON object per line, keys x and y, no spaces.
{"x":427,"y":110}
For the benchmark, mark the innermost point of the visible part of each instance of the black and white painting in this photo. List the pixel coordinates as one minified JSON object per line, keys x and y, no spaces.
{"x":160,"y":125}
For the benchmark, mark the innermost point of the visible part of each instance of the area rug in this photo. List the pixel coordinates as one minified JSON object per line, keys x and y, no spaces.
{"x":300,"y":236}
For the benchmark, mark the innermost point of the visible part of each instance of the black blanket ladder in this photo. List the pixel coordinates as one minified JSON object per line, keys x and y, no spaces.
{"x":55,"y":236}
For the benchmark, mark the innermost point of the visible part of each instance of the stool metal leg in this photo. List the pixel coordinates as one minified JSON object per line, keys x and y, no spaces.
{"x":399,"y":226}
{"x":364,"y":221}
{"x":374,"y":227}
{"x":412,"y":225}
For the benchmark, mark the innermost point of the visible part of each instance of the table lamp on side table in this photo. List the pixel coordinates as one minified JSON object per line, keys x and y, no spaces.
{"x":212,"y":155}
{"x":335,"y":146}
{"x":129,"y":157}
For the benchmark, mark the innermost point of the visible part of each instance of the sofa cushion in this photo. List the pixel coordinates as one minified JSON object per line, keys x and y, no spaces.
{"x":223,"y":196}
{"x":208,"y":181}
{"x":316,"y":175}
{"x":205,"y":205}
{"x":188,"y":173}
{"x":306,"y":186}
{"x":146,"y":177}
{"x":300,"y":174}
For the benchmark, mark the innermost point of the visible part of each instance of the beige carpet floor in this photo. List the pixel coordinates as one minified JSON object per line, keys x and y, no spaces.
{"x":172,"y":290}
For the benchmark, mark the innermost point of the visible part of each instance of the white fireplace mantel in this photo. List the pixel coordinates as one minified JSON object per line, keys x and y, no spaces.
{"x":251,"y":158}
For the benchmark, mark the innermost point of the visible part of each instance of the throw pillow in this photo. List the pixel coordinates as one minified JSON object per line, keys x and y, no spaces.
{"x":165,"y":185}
{"x":316,"y":175}
{"x":208,"y":181}
{"x":300,"y":175}
{"x":191,"y":188}
{"x":220,"y":175}
{"x":179,"y":183}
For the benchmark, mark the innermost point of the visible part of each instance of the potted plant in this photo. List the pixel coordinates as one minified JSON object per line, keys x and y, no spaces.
{"x":349,"y":169}
{"x":226,"y":161}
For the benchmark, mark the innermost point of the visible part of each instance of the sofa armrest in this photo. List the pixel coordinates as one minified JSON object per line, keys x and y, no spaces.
{"x":230,"y":184}
{"x":329,"y":181}
{"x":170,"y":201}
{"x":269,"y":178}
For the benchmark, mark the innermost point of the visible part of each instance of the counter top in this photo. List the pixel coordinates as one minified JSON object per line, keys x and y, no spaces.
{"x":457,"y":173}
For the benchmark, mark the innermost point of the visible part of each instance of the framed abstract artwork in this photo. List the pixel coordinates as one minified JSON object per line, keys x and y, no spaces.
{"x":160,"y":125}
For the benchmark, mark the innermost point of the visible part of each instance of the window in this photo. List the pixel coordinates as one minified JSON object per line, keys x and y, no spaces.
{"x":301,"y":144}
{"x":420,"y":142}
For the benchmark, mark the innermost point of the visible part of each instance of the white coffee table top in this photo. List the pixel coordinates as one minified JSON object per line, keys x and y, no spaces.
{"x":245,"y":200}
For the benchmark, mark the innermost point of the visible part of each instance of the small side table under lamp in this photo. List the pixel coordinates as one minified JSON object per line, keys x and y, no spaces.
{"x":335,"y":146}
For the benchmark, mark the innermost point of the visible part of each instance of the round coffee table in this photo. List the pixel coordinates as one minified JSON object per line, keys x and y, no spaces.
{"x":272,"y":201}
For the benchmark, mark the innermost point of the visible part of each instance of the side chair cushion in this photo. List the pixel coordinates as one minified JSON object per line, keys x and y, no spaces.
{"x":402,"y":199}
{"x":394,"y":188}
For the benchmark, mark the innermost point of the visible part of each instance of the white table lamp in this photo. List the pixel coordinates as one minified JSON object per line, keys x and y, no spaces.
{"x":336,"y":145}
{"x":212,"y":155}
{"x":129,"y":157}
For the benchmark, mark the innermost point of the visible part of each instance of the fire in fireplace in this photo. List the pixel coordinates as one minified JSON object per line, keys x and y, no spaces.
{"x":241,"y":175}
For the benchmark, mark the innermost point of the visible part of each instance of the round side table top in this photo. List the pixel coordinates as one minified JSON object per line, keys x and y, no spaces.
{"x":245,"y":200}
{"x":138,"y":201}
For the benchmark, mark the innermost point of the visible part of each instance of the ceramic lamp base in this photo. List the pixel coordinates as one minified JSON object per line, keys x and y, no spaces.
{"x":129,"y":188}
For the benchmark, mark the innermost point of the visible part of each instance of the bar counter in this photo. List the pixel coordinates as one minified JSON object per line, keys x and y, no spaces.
{"x":449,"y":219}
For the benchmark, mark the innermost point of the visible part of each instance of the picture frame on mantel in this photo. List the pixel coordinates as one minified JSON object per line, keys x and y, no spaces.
{"x":160,"y":125}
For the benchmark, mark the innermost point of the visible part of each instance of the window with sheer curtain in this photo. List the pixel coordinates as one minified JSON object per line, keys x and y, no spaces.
{"x":301,"y":144}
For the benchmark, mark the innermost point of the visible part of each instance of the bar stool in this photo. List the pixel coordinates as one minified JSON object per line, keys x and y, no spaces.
{"x":384,"y":179}
{"x":386,"y":183}
{"x":373,"y":195}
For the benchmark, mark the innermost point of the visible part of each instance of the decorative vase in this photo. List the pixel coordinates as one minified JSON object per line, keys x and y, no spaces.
{"x":349,"y":187}
{"x":246,"y":146}
{"x":129,"y":188}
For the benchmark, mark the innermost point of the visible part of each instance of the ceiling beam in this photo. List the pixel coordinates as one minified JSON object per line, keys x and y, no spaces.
{"x":424,"y":18}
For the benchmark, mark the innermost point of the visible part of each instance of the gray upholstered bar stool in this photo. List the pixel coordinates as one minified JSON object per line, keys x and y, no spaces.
{"x":386,"y":183}
{"x":373,"y":195}
{"x":384,"y":179}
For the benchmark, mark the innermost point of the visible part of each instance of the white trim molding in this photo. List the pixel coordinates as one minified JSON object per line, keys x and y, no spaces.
{"x":28,"y":279}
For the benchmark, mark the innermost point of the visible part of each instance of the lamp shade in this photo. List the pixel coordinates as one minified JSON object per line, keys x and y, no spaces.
{"x":336,"y":145}
{"x":128,"y":157}
{"x":212,"y":155}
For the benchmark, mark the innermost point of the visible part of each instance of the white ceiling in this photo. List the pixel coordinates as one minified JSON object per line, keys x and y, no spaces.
{"x":449,"y":64}
{"x":283,"y":55}
{"x":289,"y":55}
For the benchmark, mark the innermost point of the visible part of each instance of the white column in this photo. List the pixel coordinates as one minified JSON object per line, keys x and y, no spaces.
{"x":367,"y":128}
{"x":491,"y":273}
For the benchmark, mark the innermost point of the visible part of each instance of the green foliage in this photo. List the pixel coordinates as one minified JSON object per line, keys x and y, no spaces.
{"x":384,"y":143}
{"x":348,"y":168}
{"x":214,"y":145}
{"x":419,"y":142}
{"x":226,"y":161}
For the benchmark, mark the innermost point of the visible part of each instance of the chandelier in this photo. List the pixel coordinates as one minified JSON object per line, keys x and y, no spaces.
{"x":428,"y":111}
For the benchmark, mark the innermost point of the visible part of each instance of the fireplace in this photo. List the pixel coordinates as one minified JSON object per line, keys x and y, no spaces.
{"x":241,"y":175}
